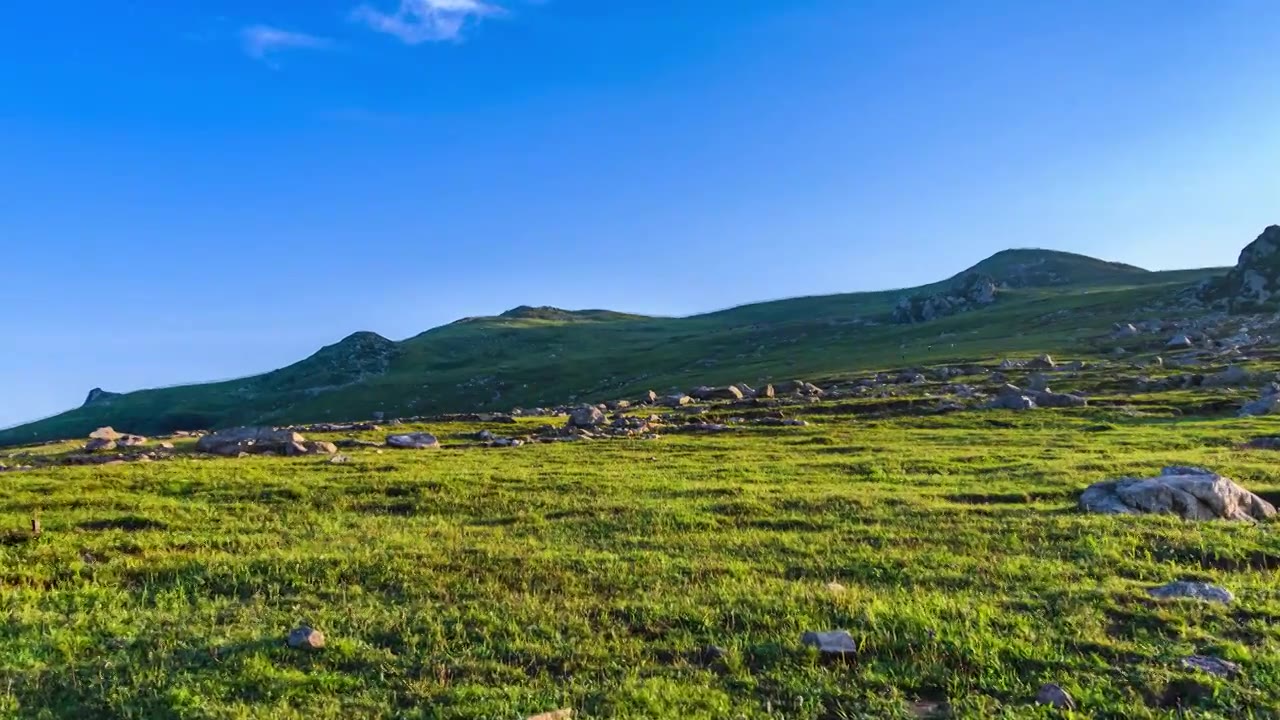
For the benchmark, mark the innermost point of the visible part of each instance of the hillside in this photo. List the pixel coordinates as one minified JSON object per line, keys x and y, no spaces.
{"x":540,"y":356}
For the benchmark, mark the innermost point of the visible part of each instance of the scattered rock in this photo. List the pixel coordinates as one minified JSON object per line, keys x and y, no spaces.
{"x":251,"y":440}
{"x":835,"y":643}
{"x":587,"y":416}
{"x":765,"y":392}
{"x":99,"y":445}
{"x":565,"y":714}
{"x":131,"y":441}
{"x":1054,"y":696}
{"x":413,"y":441}
{"x":1190,"y":493}
{"x":677,"y":400}
{"x":1192,"y":591}
{"x":1044,"y":362}
{"x":104,"y":433}
{"x":1212,"y":666}
{"x":1180,"y":341}
{"x":305,"y":638}
{"x":1268,"y":403}
{"x":339,"y":460}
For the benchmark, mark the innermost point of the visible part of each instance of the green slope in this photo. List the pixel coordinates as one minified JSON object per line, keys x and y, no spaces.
{"x":542,"y":356}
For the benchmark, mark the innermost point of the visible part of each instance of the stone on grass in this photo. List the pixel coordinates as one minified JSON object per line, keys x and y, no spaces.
{"x":248,"y":440}
{"x":564,"y":714}
{"x":834,"y":643}
{"x":1180,"y":341}
{"x":131,"y":440}
{"x":1212,"y":666}
{"x":1190,"y":493}
{"x":413,"y":441}
{"x":305,"y":638}
{"x":766,"y":392}
{"x":104,"y":433}
{"x":339,"y":460}
{"x":100,"y":445}
{"x":587,"y":416}
{"x":1054,"y":696}
{"x":1192,"y":591}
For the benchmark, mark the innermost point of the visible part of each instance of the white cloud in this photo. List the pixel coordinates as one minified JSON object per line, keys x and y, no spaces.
{"x":420,"y":21}
{"x":262,"y":40}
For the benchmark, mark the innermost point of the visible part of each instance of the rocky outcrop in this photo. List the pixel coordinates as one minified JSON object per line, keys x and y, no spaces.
{"x":1190,"y":493}
{"x":1253,"y":285}
{"x":98,"y":395}
{"x":253,"y":441}
{"x":970,"y":293}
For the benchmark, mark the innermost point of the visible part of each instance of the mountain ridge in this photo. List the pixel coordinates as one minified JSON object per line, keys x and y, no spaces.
{"x":545,"y":355}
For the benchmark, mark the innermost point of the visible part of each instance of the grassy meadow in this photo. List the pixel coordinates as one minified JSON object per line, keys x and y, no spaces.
{"x":670,"y":578}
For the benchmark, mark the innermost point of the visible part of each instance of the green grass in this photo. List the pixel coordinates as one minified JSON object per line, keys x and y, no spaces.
{"x":474,"y":583}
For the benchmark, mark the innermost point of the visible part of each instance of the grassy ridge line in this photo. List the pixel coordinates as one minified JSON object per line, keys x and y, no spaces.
{"x":498,"y":363}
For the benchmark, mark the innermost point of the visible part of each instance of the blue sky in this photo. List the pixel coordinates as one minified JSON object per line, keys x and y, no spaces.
{"x":201,"y":190}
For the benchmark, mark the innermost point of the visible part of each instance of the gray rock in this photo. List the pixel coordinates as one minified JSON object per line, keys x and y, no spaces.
{"x":99,"y":445}
{"x":1234,"y":375}
{"x":1044,"y":362}
{"x":587,"y":416}
{"x":1212,"y":666}
{"x":339,"y":460}
{"x":104,"y":433}
{"x":251,"y":440}
{"x":1190,"y":493}
{"x":836,"y":643}
{"x":1192,"y":591}
{"x":1054,"y":696}
{"x":413,"y":441}
{"x":1267,"y":404}
{"x":766,"y":392}
{"x":677,"y":400}
{"x":1038,"y":382}
{"x":1180,"y":341}
{"x":305,"y":638}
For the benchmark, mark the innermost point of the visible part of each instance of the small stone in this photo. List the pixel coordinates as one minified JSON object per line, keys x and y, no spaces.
{"x":166,"y":446}
{"x":131,"y":440}
{"x":1212,"y":666}
{"x":413,"y":441}
{"x":713,"y":653}
{"x":1193,"y":591}
{"x":339,"y":460}
{"x":304,"y":638}
{"x":836,"y":588}
{"x":100,"y":445}
{"x":564,"y":714}
{"x":1055,"y":696}
{"x":835,"y":643}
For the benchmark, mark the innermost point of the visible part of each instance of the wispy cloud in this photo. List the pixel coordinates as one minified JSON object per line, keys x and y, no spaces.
{"x":260,"y":41}
{"x":420,"y":21}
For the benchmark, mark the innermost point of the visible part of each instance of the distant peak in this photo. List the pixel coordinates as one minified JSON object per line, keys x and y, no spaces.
{"x":543,"y":312}
{"x":1037,"y":267}
{"x":99,"y":395}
